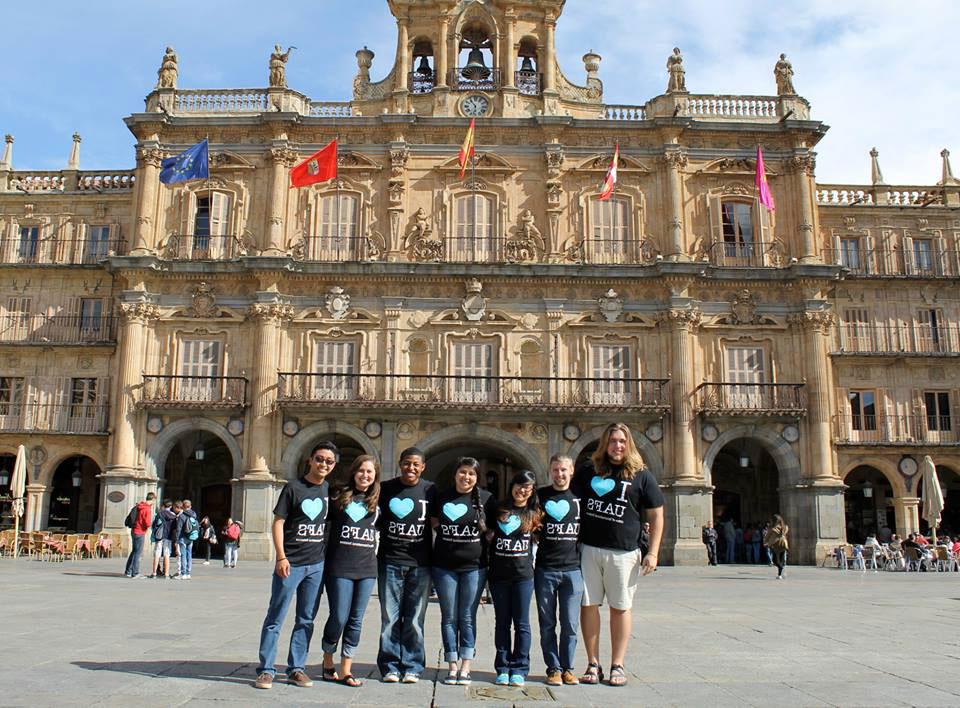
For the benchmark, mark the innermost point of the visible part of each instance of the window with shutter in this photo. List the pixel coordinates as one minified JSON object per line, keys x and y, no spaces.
{"x":923,"y":261}
{"x":850,"y":254}
{"x":29,"y":243}
{"x":611,"y":373}
{"x":473,"y":228}
{"x":335,"y":364}
{"x":11,"y":402}
{"x":83,"y":405}
{"x":211,"y":227}
{"x":91,"y":318}
{"x":200,"y":371}
{"x":473,"y":373}
{"x":855,"y":331}
{"x":937,"y":407}
{"x":929,"y":331}
{"x":739,"y":243}
{"x":337,"y":229}
{"x":97,"y":244}
{"x":610,"y":221}
{"x":746,"y":369}
{"x":863,"y":410}
{"x":17,"y":324}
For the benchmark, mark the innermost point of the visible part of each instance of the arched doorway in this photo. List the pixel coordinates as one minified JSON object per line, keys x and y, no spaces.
{"x":868,"y":504}
{"x":199,"y":467}
{"x":6,"y":498}
{"x":950,"y":517}
{"x":75,"y":496}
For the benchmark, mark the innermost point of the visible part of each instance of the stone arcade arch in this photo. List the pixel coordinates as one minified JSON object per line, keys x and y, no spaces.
{"x":882,"y":476}
{"x":299,"y":447}
{"x":159,"y":449}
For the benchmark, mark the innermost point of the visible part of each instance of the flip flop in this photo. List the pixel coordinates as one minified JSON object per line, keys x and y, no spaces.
{"x":350,"y":681}
{"x":330,"y":674}
{"x":592,"y":677}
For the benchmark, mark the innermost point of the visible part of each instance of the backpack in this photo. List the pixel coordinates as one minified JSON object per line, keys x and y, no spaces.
{"x":157,"y":527}
{"x":131,"y":519}
{"x":192,"y":527}
{"x":233,"y":532}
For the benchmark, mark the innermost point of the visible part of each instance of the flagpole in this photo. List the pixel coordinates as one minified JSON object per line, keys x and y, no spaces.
{"x":473,"y":189}
{"x":209,"y":198}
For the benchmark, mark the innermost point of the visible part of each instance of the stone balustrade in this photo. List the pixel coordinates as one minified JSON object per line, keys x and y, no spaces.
{"x":109,"y":181}
{"x":731,"y":107}
{"x":46,"y":182}
{"x":625,"y":112}
{"x":331,"y":109}
{"x":878,"y":195}
{"x":37,"y":182}
{"x":221,"y":101}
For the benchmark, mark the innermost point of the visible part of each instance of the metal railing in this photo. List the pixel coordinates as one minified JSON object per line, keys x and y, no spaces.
{"x":52,"y":251}
{"x":332,"y":249}
{"x":457,"y":82}
{"x":758,"y":254}
{"x":861,"y":429}
{"x":528,"y":83}
{"x":917,"y":338}
{"x":57,"y":329}
{"x":751,"y":398}
{"x":472,"y":392}
{"x":421,"y":82}
{"x":61,"y":418}
{"x":199,"y":247}
{"x":166,"y":391}
{"x":896,"y":262}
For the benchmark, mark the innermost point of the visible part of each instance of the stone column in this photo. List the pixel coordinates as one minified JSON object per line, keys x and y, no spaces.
{"x":682,"y":324}
{"x":124,"y":451}
{"x":908,"y":515}
{"x":281,"y":159}
{"x":36,"y":507}
{"x":803,"y":167}
{"x":550,"y":56}
{"x":507,"y":61}
{"x":403,"y":55}
{"x":440,"y":64}
{"x":148,"y":179}
{"x":816,"y":327}
{"x":676,"y":161}
{"x":268,"y":316}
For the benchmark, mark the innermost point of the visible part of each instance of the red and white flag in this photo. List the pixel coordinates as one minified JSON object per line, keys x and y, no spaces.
{"x":466,"y":150}
{"x":610,"y":183}
{"x":321,"y":166}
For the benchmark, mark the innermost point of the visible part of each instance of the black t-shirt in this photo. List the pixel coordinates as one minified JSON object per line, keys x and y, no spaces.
{"x":612,"y":508}
{"x":459,"y":544}
{"x":559,"y":545}
{"x":405,"y":532}
{"x":511,"y":550}
{"x":353,"y":540}
{"x":304,"y":506}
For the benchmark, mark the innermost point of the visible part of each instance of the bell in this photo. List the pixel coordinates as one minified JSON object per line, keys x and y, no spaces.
{"x":475,"y":70}
{"x":424,"y":68}
{"x":527,"y":65}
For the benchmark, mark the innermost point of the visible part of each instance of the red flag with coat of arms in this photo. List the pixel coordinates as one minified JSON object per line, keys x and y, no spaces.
{"x":321,"y":166}
{"x":610,"y":182}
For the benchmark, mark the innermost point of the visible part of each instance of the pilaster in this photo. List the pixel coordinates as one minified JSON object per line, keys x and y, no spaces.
{"x":676,"y":160}
{"x":281,"y":158}
{"x":148,"y":179}
{"x":815,"y":326}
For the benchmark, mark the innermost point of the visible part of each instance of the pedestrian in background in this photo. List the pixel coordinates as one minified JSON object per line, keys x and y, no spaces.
{"x":709,"y":536}
{"x":232,"y":530}
{"x":139,"y":521}
{"x":208,"y":536}
{"x":188,"y":531}
{"x":776,"y":540}
{"x":162,"y":532}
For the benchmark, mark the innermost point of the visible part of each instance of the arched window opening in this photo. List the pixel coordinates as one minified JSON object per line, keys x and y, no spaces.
{"x":527,"y":76}
{"x":423,"y":77}
{"x":475,"y":61}
{"x":611,"y":233}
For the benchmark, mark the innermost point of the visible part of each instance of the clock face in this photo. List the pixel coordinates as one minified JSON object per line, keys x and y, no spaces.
{"x":908,"y":466}
{"x":475,"y":106}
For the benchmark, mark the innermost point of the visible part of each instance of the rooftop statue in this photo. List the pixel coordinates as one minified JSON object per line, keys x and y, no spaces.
{"x":278,"y":66}
{"x":678,"y":80}
{"x":784,"y":73}
{"x":167,"y":73}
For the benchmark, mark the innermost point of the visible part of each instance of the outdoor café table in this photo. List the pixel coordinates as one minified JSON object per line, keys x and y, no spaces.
{"x":83,"y":544}
{"x":104,"y":544}
{"x":54,"y":545}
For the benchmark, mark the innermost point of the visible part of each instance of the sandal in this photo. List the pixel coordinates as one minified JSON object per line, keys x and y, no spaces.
{"x":618,"y":677}
{"x":593,"y":675}
{"x":350,"y":681}
{"x":464,"y":679}
{"x":451,"y":678}
{"x":330,"y":674}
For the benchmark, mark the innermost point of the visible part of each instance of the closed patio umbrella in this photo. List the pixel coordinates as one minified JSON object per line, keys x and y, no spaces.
{"x":932,"y":495}
{"x":18,"y":486}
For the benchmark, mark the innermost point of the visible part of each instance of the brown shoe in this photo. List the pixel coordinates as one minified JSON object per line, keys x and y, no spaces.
{"x":299,"y":678}
{"x":264,"y":680}
{"x":570,"y":678}
{"x":553,"y":678}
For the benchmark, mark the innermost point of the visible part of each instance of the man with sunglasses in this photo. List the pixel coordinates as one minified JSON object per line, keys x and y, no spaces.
{"x":299,"y":540}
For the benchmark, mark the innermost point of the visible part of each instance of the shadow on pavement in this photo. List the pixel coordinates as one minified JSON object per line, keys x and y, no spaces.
{"x":95,"y":575}
{"x":224,"y":671}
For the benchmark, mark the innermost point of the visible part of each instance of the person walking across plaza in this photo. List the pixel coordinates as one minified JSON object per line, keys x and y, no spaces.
{"x":617,"y":492}
{"x":403,"y":573}
{"x":162,"y":531}
{"x":459,"y":518}
{"x":511,"y":578}
{"x":351,"y":567}
{"x":208,"y":536}
{"x":231,"y":533}
{"x":139,"y":521}
{"x":299,"y":533}
{"x":775,"y":539}
{"x":188,"y":531}
{"x":709,"y":536}
{"x":558,"y":581}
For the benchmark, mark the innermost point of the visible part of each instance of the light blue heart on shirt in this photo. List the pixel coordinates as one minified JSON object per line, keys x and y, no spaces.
{"x":312,"y":507}
{"x":557,"y":509}
{"x":356,"y":511}
{"x":510,"y":525}
{"x":401,"y":507}
{"x":602,"y":485}
{"x":454,"y":511}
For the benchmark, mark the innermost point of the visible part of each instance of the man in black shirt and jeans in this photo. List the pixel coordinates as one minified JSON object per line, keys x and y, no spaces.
{"x":299,"y":539}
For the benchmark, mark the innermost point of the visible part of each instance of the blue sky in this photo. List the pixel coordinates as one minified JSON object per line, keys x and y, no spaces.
{"x":880,"y":73}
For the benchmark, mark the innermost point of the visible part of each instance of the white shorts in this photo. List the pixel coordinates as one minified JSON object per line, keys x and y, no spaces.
{"x":162,"y":548}
{"x":609,"y":573}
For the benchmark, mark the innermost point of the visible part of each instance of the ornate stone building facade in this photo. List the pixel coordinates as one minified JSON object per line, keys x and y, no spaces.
{"x":201,"y":337}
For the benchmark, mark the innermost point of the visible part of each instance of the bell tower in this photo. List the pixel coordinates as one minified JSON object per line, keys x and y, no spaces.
{"x":477,"y":59}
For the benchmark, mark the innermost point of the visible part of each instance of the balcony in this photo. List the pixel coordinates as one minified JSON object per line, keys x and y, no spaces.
{"x":914,"y":430}
{"x":60,"y":181}
{"x":528,"y":83}
{"x":896,"y":340}
{"x":421,"y":82}
{"x":58,"y":418}
{"x":475,"y":393}
{"x":761,"y":254}
{"x":896,"y":263}
{"x":751,"y":399}
{"x":193,"y":392}
{"x":16,"y":328}
{"x":457,"y":82}
{"x":198,"y":247}
{"x":52,"y":251}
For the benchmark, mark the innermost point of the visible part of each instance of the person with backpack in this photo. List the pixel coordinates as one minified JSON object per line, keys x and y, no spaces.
{"x":161,"y":531}
{"x":138,"y":521}
{"x":188,"y":531}
{"x":231,"y":542}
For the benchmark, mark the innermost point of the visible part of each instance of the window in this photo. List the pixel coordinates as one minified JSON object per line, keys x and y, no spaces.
{"x":611,"y":372}
{"x":337,"y":227}
{"x":473,"y":373}
{"x":83,"y":398}
{"x":200,"y":371}
{"x":473,"y":228}
{"x":930,"y":331}
{"x":863,"y":410}
{"x":98,"y":244}
{"x":746,"y":369}
{"x":91,"y":317}
{"x":335,"y":365}
{"x":923,"y":255}
{"x":16,"y":324}
{"x":850,"y":253}
{"x":738,"y":237}
{"x":11,"y":397}
{"x":855,"y":331}
{"x":937,"y":404}
{"x":611,"y":231}
{"x":211,"y":225}
{"x":29,"y":240}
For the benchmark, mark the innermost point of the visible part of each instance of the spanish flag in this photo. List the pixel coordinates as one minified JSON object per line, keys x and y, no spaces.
{"x":321,"y":166}
{"x":466,"y":151}
{"x":610,"y":183}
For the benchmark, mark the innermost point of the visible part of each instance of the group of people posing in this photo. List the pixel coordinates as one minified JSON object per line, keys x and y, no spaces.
{"x":576,"y":542}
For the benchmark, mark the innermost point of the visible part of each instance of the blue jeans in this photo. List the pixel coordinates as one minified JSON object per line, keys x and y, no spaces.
{"x":348,"y":601}
{"x":756,"y":552}
{"x":459,"y":592}
{"x":567,"y":586}
{"x":185,"y":547}
{"x":306,"y":581}
{"x":511,"y":606}
{"x":731,"y":551}
{"x":748,"y":549}
{"x":133,"y":560}
{"x":229,"y":553}
{"x":404,"y":593}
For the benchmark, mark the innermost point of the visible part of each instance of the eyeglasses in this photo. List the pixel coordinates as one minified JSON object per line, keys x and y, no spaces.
{"x":328,"y":461}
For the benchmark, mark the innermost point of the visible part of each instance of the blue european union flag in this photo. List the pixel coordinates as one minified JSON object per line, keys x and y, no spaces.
{"x":189,"y":164}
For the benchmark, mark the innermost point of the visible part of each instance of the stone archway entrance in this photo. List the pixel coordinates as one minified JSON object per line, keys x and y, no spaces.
{"x":75,"y":496}
{"x":868,"y":504}
{"x":199,"y":467}
{"x":950,"y":517}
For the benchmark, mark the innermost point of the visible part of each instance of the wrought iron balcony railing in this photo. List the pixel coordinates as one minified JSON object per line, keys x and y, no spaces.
{"x":528,"y":83}
{"x":457,"y":82}
{"x":59,"y":418}
{"x":199,"y":247}
{"x":896,"y":263}
{"x":919,"y":430}
{"x":52,"y":251}
{"x":505,"y":393}
{"x":421,"y":81}
{"x":16,"y":328}
{"x":195,"y":392}
{"x":918,"y":339}
{"x":757,"y":399}
{"x":761,"y":254}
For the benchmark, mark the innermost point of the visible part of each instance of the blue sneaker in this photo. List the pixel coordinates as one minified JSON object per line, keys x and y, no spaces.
{"x":502,"y":680}
{"x":517,"y":681}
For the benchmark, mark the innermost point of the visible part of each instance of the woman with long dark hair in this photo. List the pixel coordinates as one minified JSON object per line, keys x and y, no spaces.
{"x":518,"y":517}
{"x":351,"y":570}
{"x":776,"y":540}
{"x":459,"y":518}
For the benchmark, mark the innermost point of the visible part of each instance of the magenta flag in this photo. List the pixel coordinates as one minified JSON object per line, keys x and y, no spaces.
{"x":763,"y":187}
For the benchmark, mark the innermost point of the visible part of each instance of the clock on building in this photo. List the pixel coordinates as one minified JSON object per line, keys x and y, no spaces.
{"x":475,"y":105}
{"x":908,"y":466}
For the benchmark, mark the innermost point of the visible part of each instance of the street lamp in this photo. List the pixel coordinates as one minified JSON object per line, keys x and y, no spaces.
{"x":76,"y":478}
{"x":868,"y":490}
{"x":4,"y":478}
